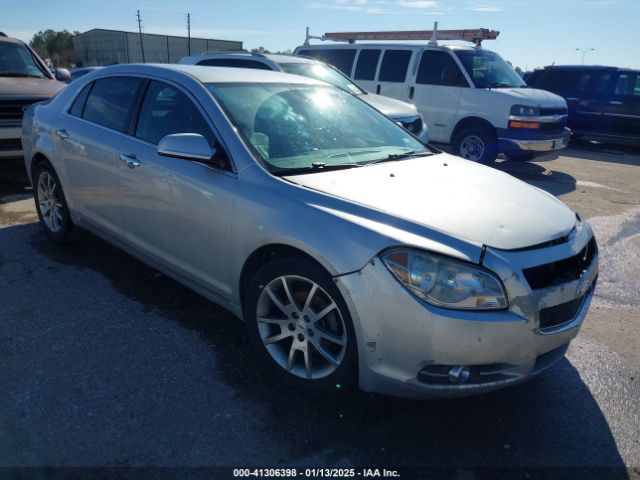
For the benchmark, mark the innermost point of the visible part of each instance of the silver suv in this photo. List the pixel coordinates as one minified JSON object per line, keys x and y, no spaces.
{"x":24,"y":79}
{"x":403,"y":113}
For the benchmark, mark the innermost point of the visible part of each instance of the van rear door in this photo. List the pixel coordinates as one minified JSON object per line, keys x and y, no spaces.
{"x":435,"y":90}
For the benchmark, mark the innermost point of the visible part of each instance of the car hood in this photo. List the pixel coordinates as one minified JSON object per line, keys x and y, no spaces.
{"x":390,"y":106}
{"x":533,"y":96}
{"x":29,"y":87}
{"x":463,"y":199}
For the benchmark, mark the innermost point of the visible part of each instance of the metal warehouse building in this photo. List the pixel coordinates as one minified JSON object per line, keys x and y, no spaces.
{"x":108,"y":47}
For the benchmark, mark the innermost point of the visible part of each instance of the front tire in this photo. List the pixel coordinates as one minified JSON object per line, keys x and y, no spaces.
{"x":300,"y":327}
{"x":51,"y":204}
{"x":476,"y":143}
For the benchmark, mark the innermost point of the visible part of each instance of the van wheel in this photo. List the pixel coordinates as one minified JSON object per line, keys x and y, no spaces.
{"x":51,"y":204}
{"x":476,"y":143}
{"x":300,"y":327}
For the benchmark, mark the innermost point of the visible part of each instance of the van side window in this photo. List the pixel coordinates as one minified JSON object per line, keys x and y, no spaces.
{"x":627,"y":84}
{"x":438,"y":68}
{"x":394,"y":66}
{"x":234,"y":63}
{"x":78,"y":103}
{"x":367,"y":65}
{"x":341,"y":58}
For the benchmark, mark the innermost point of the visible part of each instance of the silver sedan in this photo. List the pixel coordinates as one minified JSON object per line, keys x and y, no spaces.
{"x":355,"y":254}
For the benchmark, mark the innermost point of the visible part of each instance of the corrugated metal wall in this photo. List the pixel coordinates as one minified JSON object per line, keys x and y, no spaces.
{"x":107,"y":47}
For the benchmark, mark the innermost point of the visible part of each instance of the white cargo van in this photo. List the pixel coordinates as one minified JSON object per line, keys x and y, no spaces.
{"x":470,"y":97}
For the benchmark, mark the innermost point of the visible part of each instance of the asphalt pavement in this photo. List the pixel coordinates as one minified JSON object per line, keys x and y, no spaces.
{"x":104,"y":362}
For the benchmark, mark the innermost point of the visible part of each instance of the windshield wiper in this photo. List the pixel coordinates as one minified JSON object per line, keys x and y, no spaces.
{"x":316,"y":167}
{"x":399,"y":156}
{"x":19,"y":74}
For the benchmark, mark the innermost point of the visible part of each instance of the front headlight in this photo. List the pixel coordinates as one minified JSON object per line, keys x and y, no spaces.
{"x":445,"y":282}
{"x":525,"y":111}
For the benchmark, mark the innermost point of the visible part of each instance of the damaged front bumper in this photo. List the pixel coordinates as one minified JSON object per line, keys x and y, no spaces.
{"x":409,"y":348}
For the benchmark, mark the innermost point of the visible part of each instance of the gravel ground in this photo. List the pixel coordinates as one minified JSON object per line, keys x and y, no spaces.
{"x":106,"y":363}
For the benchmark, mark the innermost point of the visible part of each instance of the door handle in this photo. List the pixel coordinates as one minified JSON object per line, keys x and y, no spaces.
{"x":130,"y":160}
{"x":572,"y":99}
{"x":614,"y":102}
{"x":62,"y":133}
{"x":411,"y":92}
{"x":378,"y":89}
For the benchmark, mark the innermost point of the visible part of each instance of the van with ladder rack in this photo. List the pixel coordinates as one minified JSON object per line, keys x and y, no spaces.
{"x":470,"y":97}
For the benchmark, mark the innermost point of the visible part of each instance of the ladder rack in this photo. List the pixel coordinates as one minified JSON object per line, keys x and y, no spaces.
{"x":475,"y":36}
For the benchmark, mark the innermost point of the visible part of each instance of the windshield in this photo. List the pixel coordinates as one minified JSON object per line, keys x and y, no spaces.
{"x":298,"y":127}
{"x":322,"y":72}
{"x":16,"y":61}
{"x":488,"y":69}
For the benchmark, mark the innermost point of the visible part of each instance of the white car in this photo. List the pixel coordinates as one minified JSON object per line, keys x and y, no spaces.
{"x":403,"y":113}
{"x":470,"y":97}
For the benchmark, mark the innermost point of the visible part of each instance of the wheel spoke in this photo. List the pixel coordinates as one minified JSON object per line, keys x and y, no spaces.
{"x":291,"y":361}
{"x":326,"y":355}
{"x":323,"y":313}
{"x":287,"y":292}
{"x":330,"y":336}
{"x":277,"y":337}
{"x":274,"y":298}
{"x":310,"y":296}
{"x":281,"y":322}
{"x":307,"y":362}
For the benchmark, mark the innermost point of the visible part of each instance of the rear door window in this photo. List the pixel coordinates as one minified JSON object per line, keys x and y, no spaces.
{"x":110,"y":101}
{"x":78,"y":103}
{"x":626,"y":85}
{"x":234,"y":63}
{"x":367,"y":64}
{"x":394,"y":66}
{"x":438,"y":68}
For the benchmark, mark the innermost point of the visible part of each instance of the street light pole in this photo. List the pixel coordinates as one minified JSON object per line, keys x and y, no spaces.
{"x":584,"y":52}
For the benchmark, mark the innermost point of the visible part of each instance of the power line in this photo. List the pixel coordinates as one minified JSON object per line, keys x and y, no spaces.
{"x":140,"y":32}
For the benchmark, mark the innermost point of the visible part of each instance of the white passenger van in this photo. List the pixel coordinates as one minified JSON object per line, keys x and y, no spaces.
{"x":470,"y":97}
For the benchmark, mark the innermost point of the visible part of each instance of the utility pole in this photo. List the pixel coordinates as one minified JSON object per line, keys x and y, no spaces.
{"x":584,"y":52}
{"x":140,"y":32}
{"x":189,"y":32}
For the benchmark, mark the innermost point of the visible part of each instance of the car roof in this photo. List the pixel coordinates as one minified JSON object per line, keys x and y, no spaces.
{"x":207,"y":74}
{"x":6,"y":39}
{"x":280,"y":58}
{"x":588,"y":67}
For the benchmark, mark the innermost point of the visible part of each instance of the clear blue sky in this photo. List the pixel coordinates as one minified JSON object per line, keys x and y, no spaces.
{"x":533,"y":32}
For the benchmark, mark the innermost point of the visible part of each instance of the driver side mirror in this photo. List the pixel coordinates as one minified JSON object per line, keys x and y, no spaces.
{"x":63,"y":75}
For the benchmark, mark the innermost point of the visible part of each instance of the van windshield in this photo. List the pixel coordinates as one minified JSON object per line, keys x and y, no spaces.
{"x":324,"y":73}
{"x":16,"y":61}
{"x":312,"y":128}
{"x":489,"y":70}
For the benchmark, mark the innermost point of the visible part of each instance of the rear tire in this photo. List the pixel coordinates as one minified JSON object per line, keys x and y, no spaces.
{"x":299,"y":326}
{"x":476,"y":143}
{"x":51,"y":204}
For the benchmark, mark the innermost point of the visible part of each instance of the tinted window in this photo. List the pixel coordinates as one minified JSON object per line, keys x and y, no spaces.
{"x":234,"y":62}
{"x":367,"y":65}
{"x":553,"y":81}
{"x":78,"y":103}
{"x":438,"y":68}
{"x":585,"y":83}
{"x":627,"y":84}
{"x":394,"y":66}
{"x":109,"y":102}
{"x":166,"y":110}
{"x":341,"y":58}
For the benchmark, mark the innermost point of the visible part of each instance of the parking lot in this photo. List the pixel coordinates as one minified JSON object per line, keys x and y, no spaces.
{"x":105,"y":362}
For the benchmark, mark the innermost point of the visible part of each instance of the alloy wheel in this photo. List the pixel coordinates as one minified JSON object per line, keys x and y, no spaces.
{"x":50,"y":202}
{"x":301,"y":327}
